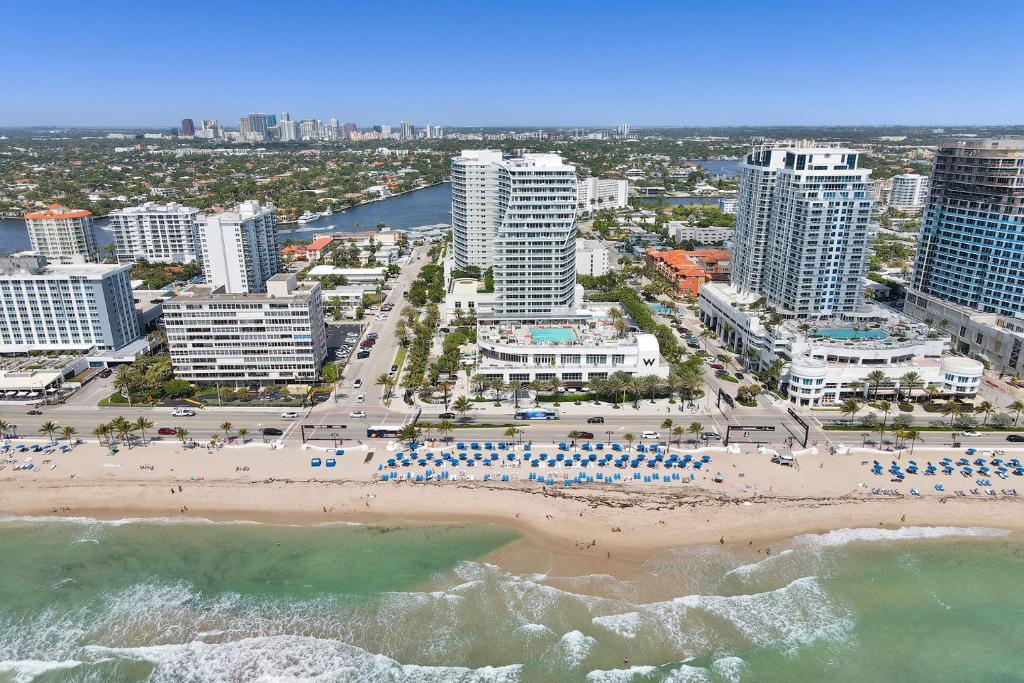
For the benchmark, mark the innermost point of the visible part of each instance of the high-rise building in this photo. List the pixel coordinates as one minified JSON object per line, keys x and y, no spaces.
{"x":239,"y":248}
{"x":309,"y":129}
{"x":161,"y":233}
{"x":622,"y":129}
{"x":909,"y":191}
{"x":432,"y":132}
{"x":62,"y":235}
{"x":385,"y":130}
{"x":256,"y":127}
{"x":408,"y":131}
{"x":803,"y":226}
{"x":52,"y":307}
{"x":188,"y":128}
{"x":602,"y":193}
{"x":475,"y":211}
{"x":289,"y":131}
{"x":350,"y":128}
{"x":273,"y":337}
{"x":285,"y":116}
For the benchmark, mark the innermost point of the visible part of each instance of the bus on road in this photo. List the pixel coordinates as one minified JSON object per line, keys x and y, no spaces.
{"x":383,"y":431}
{"x":536,"y":414}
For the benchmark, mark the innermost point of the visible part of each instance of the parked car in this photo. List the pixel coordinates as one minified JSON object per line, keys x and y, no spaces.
{"x":394,"y":369}
{"x":290,"y":415}
{"x":35,"y":412}
{"x":358,"y":384}
{"x":970,"y":433}
{"x":693,"y":344}
{"x":446,"y":416}
{"x":710,"y":436}
{"x":165,"y":431}
{"x":585,"y":435}
{"x":272,"y":431}
{"x":106,"y":372}
{"x":717,"y":366}
{"x":183,"y":412}
{"x":598,"y":420}
{"x":360,"y":398}
{"x":357,"y":413}
{"x":1015,"y":437}
{"x":372,"y":335}
{"x":650,"y":435}
{"x":365,"y":353}
{"x":739,"y":375}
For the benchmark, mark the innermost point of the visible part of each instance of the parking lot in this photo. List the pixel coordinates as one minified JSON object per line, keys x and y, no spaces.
{"x":341,"y":341}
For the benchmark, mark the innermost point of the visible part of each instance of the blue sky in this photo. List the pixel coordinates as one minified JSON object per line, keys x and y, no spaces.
{"x":513,"y":63}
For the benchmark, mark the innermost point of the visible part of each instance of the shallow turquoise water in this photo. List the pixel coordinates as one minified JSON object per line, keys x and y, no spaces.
{"x":849,"y":333}
{"x":90,"y":601}
{"x":558,"y":335}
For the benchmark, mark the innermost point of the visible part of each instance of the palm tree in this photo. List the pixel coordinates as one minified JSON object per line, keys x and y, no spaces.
{"x":909,"y":380}
{"x":573,"y":435}
{"x":614,"y":385}
{"x":462,"y":405}
{"x":695,"y":428}
{"x":142,"y":424}
{"x":851,"y":407}
{"x":124,"y":428}
{"x":856,"y":385}
{"x":911,"y":435}
{"x":101,"y":431}
{"x":678,"y":432}
{"x":123,"y":383}
{"x":628,"y":436}
{"x":875,"y":379}
{"x":885,"y":407}
{"x":68,"y":432}
{"x":3,"y":428}
{"x":242,"y":433}
{"x":954,"y":410}
{"x":1016,"y":407}
{"x":667,"y":423}
{"x":512,"y":432}
{"x":478,"y":381}
{"x":652,"y":383}
{"x":226,"y":428}
{"x":985,"y":407}
{"x":635,"y":385}
{"x":181,"y":433}
{"x":445,"y":428}
{"x":48,"y":428}
{"x":409,"y":433}
{"x":384,"y":381}
{"x":555,"y":383}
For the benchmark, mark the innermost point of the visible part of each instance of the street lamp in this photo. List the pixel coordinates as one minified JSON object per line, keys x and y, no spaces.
{"x":863,"y":439}
{"x":262,"y":433}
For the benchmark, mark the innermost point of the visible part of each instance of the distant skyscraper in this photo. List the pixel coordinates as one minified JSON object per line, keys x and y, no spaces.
{"x":385,"y":130}
{"x":188,"y":128}
{"x":803,"y":223}
{"x":256,"y":127}
{"x":239,"y":247}
{"x":622,"y":129}
{"x":350,"y":128}
{"x":289,"y":130}
{"x":526,"y":208}
{"x":62,"y":235}
{"x":285,"y":116}
{"x":408,"y":131}
{"x":270,"y":120}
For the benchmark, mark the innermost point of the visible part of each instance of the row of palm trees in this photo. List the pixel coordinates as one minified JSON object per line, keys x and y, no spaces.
{"x":954,"y":410}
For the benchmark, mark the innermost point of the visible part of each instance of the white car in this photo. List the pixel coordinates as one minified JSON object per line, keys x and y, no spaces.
{"x":290,"y":415}
{"x":360,"y":398}
{"x":650,"y":435}
{"x":357,"y":413}
{"x":183,"y":412}
{"x":970,"y":433}
{"x":358,"y":384}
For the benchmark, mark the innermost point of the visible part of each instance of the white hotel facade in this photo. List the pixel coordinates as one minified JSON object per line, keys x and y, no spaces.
{"x":239,"y":248}
{"x":159,"y":233}
{"x":276,"y":337}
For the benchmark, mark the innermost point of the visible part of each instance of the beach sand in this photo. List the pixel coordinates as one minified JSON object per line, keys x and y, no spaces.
{"x":583,"y":529}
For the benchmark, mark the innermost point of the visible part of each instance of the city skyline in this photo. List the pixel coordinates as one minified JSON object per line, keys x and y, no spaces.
{"x":695,"y":63}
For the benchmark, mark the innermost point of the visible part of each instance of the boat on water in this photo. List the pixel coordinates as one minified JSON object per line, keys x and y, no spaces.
{"x":328,"y":212}
{"x":308,"y":217}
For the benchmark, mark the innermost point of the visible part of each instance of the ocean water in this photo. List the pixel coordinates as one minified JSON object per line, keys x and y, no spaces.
{"x":175,"y":601}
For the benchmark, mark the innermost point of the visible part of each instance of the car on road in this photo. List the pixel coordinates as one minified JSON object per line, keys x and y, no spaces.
{"x":165,"y":431}
{"x":357,"y":413}
{"x":272,"y":431}
{"x":360,"y":398}
{"x":394,"y":369}
{"x":35,"y":412}
{"x":372,"y":335}
{"x":650,"y":435}
{"x":738,"y":375}
{"x":290,"y":415}
{"x":387,"y":307}
{"x":358,"y":384}
{"x":446,"y":416}
{"x":710,"y":436}
{"x":183,"y":412}
{"x":584,"y":435}
{"x":364,"y":353}
{"x":971,"y":434}
{"x":598,"y":420}
{"x":367,"y":343}
{"x":106,"y":372}
{"x":717,"y":366}
{"x":693,"y":344}
{"x":1015,"y":437}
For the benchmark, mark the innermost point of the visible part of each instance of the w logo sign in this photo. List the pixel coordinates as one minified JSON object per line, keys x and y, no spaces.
{"x":648,"y":361}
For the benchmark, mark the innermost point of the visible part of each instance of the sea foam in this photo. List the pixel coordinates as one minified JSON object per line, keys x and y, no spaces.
{"x":839,"y":537}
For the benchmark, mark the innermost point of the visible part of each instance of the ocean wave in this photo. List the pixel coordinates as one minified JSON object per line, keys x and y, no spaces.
{"x":295,"y":658}
{"x":688,"y":674}
{"x":27,"y":670}
{"x":139,"y":520}
{"x":574,"y":647}
{"x":625,"y":625}
{"x":748,"y":569}
{"x":621,"y":675}
{"x":839,"y":537}
{"x":789,"y":617}
{"x":731,"y":669}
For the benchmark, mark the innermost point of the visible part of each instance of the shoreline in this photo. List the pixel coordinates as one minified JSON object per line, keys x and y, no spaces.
{"x":372,"y":201}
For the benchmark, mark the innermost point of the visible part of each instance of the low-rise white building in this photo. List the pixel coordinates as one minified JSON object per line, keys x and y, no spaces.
{"x":275,"y":337}
{"x":826,"y":361}
{"x":353,"y":275}
{"x":592,"y":258}
{"x":602,"y":193}
{"x":464,"y":296}
{"x":683,"y":231}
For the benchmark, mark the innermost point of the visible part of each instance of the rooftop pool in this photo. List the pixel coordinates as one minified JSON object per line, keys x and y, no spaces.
{"x":848,"y":333}
{"x":552,"y":335}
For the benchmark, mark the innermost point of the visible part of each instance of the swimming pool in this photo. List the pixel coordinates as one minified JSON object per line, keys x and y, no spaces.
{"x":662,"y":309}
{"x":554,"y":335}
{"x":849,"y":333}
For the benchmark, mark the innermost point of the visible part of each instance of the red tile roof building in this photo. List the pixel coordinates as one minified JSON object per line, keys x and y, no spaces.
{"x":688,"y":270}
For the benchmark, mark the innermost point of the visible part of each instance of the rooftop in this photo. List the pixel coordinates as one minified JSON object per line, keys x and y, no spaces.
{"x":58,"y":211}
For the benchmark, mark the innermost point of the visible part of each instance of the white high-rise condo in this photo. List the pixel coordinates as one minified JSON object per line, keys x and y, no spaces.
{"x":475,"y":213}
{"x":239,"y":248}
{"x":519,"y":215}
{"x":62,"y":235}
{"x":803,"y":224}
{"x":57,"y":307}
{"x":909,"y":190}
{"x":161,"y":233}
